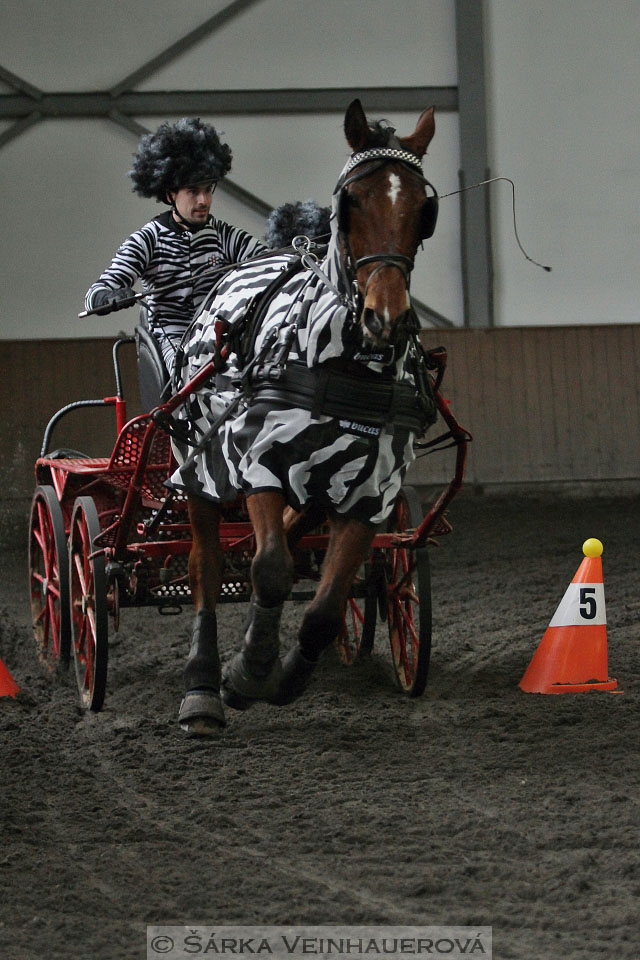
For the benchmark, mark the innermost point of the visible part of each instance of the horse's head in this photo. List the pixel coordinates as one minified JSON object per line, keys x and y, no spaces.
{"x":384,"y":214}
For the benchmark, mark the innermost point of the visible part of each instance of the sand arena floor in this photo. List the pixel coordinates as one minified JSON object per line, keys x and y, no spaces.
{"x":474,"y":805}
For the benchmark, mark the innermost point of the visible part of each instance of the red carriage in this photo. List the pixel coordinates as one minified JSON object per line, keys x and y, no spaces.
{"x":106,"y":534}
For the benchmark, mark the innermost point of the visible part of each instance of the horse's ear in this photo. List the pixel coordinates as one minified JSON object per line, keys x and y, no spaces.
{"x":422,"y":135}
{"x":356,"y":129}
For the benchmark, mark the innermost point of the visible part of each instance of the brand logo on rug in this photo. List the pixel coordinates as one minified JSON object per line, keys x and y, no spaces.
{"x":362,"y":429}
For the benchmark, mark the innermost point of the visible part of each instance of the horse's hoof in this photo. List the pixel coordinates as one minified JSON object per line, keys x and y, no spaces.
{"x":201,"y":713}
{"x":241,"y":689}
{"x":294,"y":678}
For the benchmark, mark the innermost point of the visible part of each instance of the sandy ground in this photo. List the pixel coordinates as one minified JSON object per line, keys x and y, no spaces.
{"x":476,"y":804}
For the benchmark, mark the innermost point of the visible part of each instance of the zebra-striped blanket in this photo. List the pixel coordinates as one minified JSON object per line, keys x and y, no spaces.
{"x":275,"y":446}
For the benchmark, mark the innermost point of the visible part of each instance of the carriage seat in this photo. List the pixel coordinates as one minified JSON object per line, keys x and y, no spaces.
{"x":153,"y":376}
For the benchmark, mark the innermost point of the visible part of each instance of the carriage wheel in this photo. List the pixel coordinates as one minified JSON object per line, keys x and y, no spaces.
{"x":409,"y":600}
{"x":49,"y":579}
{"x":88,"y":604}
{"x":358,"y":627}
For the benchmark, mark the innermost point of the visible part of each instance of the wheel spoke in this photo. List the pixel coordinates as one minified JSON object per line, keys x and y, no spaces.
{"x":48,"y":544}
{"x":37,"y":536}
{"x":408,"y":620}
{"x":53,"y":624}
{"x":79,"y":565}
{"x":54,"y":589}
{"x":46,"y":618}
{"x":91,"y":639}
{"x":38,"y":619}
{"x":401,"y":639}
{"x":357,"y":617}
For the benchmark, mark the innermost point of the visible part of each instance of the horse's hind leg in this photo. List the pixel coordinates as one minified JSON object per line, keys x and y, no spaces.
{"x":254,"y":673}
{"x":201,"y":712}
{"x":349,"y":543}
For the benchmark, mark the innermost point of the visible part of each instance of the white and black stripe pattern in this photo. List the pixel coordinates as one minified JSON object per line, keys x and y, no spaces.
{"x":162,"y":253}
{"x":276,"y":446}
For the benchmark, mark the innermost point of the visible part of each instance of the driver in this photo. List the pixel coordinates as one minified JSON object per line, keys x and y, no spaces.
{"x":180,"y":165}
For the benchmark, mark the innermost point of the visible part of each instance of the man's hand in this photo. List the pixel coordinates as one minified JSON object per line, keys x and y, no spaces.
{"x":111,"y":300}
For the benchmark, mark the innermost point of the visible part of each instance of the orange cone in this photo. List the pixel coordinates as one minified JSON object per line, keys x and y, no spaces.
{"x":8,"y":686}
{"x":572,"y":655}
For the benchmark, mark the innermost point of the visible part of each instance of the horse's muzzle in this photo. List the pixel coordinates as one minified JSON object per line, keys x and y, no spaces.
{"x":380,"y":328}
{"x":373,"y":322}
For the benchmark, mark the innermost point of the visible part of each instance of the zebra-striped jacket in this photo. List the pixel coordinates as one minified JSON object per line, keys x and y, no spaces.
{"x":161,"y":253}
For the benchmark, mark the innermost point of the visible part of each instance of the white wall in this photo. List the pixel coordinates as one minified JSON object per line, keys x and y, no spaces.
{"x":563,"y":85}
{"x":70,"y":202}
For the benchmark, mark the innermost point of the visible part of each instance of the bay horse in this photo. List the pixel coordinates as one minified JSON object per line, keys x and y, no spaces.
{"x":334,"y":397}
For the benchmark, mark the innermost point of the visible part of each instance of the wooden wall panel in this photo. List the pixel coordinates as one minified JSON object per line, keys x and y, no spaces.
{"x":40,"y":377}
{"x":543,"y":404}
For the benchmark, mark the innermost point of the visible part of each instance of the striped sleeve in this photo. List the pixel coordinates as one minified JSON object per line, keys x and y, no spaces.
{"x":129,"y":263}
{"x":238,"y":245}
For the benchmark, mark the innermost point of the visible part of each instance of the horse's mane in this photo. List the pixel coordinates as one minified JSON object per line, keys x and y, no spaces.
{"x":380,"y":132}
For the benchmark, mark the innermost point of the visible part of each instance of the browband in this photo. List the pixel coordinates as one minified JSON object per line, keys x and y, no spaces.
{"x":383,"y":153}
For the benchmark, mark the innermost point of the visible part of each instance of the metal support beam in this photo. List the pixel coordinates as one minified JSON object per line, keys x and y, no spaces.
{"x":180,"y":46}
{"x":477,"y":268}
{"x":236,"y":102}
{"x":19,"y":84}
{"x":432,"y":317}
{"x":19,"y":127}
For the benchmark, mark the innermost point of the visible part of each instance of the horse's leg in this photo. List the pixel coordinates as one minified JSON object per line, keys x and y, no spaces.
{"x":299,"y":522}
{"x":201,"y":712}
{"x":254,"y":673}
{"x":349,"y":543}
{"x":296,"y":525}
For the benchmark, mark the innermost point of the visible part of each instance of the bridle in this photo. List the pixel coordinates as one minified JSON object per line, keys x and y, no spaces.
{"x":374,"y":159}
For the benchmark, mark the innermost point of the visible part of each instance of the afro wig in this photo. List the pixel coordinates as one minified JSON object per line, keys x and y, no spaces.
{"x":178,"y":155}
{"x":293,"y":219}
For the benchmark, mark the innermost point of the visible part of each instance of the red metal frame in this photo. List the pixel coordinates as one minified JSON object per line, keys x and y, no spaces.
{"x":434,"y":518}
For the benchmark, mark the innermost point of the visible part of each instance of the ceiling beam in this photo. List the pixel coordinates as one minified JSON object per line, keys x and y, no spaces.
{"x":13,"y":80}
{"x":176,"y":49}
{"x":237,"y":102}
{"x":6,"y":136}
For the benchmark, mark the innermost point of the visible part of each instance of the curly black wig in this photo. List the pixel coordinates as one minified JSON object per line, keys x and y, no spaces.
{"x":178,"y":155}
{"x":293,"y":219}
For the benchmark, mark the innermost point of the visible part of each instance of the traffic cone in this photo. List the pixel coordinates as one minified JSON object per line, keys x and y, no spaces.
{"x":572,"y":655}
{"x":8,"y":686}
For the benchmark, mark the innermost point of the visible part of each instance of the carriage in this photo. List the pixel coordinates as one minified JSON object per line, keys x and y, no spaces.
{"x":106,"y":534}
{"x":109,"y":533}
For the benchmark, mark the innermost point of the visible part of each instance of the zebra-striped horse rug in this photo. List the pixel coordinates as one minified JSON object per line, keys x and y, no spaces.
{"x":345,"y":460}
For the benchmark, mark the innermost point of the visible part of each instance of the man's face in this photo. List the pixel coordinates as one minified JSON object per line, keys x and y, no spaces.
{"x":193,"y":203}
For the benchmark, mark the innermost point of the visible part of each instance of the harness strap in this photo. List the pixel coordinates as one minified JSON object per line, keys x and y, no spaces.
{"x":310,"y":263}
{"x":319,"y":399}
{"x":245,"y":332}
{"x":329,"y":392}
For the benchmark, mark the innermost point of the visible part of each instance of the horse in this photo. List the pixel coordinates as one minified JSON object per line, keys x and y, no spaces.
{"x":332,"y":394}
